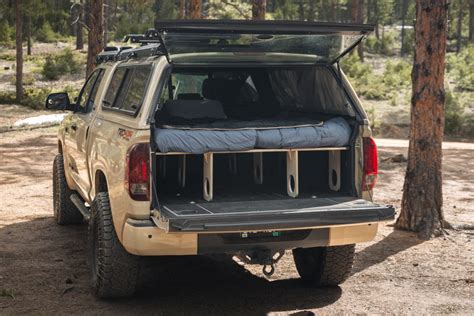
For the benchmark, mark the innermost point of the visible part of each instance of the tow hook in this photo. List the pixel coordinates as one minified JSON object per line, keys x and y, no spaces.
{"x":265,"y":257}
{"x":268,"y":270}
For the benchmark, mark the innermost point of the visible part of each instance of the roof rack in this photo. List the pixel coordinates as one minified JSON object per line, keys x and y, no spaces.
{"x":151,"y":45}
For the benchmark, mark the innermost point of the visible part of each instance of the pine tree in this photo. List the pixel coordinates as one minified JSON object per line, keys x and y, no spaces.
{"x":422,"y":199}
{"x":19,"y":50}
{"x":95,"y":40}
{"x":259,"y":8}
{"x":195,"y":9}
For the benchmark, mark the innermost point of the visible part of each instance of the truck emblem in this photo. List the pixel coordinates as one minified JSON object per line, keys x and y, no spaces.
{"x":125,"y":133}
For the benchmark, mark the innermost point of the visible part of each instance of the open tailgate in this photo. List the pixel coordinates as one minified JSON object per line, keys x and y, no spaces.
{"x":255,"y":215}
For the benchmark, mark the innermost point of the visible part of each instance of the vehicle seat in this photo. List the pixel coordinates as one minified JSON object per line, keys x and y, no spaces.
{"x":193,"y":110}
{"x":189,"y":96}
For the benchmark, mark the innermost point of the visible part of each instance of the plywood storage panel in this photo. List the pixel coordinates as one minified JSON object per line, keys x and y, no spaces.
{"x":292,"y":170}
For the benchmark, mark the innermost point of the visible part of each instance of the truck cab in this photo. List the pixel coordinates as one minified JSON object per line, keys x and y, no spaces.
{"x":230,"y":137}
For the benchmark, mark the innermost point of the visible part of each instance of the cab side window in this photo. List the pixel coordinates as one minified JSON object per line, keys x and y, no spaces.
{"x":114,"y":87}
{"x":136,"y":89}
{"x":89,"y":91}
{"x":127,"y":89}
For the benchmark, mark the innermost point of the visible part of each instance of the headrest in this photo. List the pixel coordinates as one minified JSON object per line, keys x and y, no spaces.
{"x":189,"y":96}
{"x":195,"y":109}
{"x":209,"y":89}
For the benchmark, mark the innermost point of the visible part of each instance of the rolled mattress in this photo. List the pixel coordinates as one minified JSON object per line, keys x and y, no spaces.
{"x":335,"y":132}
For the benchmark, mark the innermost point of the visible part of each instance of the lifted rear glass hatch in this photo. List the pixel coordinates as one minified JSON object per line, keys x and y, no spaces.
{"x":201,"y":41}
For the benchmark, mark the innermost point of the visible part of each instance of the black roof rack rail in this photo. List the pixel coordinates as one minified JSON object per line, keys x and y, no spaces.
{"x":151,"y":45}
{"x":139,"y":52}
{"x":151,"y":36}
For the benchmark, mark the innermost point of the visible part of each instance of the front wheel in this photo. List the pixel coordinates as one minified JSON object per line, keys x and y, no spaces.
{"x":114,"y":270}
{"x":65,"y":212}
{"x":324,"y":266}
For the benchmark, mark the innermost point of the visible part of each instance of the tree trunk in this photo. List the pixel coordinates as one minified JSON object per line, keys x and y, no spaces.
{"x":422,"y":199}
{"x":182,"y":9}
{"x":459,"y":27}
{"x":471,"y":21}
{"x":404,"y":14}
{"x":19,"y":50}
{"x":79,"y":33}
{"x":301,"y":9}
{"x":106,"y":22}
{"x":376,"y":13}
{"x":28,"y":34}
{"x":95,"y":35}
{"x":369,"y":11}
{"x":357,"y":14}
{"x":259,"y":8}
{"x":360,"y":19}
{"x":333,"y":7}
{"x":195,"y":9}
{"x":312,"y":10}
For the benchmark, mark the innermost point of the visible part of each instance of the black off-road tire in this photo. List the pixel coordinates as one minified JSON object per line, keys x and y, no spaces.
{"x":114,"y":271}
{"x":324,"y":266}
{"x":65,"y":212}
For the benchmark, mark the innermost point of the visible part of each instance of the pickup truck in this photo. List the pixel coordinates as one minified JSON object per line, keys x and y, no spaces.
{"x":220,"y":137}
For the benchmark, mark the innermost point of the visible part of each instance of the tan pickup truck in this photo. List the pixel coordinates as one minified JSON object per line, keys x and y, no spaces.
{"x":220,"y":137}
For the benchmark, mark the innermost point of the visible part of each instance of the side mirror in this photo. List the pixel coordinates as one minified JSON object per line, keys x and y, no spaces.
{"x":59,"y":101}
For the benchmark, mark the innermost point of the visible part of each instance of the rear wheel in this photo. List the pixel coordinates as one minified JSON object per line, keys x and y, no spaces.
{"x":65,"y":212}
{"x":324,"y":266}
{"x":114,"y":271}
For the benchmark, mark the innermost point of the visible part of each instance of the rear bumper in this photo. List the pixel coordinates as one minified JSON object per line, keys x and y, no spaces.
{"x":142,"y":237}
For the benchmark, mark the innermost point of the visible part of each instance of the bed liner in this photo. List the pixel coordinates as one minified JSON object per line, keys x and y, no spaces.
{"x":270,"y":213}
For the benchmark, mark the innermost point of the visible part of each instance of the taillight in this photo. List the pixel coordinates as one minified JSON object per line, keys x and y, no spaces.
{"x":137,"y":177}
{"x":371,"y":166}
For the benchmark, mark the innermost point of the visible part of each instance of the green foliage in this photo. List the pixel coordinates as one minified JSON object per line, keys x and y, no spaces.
{"x":139,"y":16}
{"x":461,"y":68}
{"x":46,"y":34}
{"x":457,"y":121}
{"x":286,"y":10}
{"x":409,"y":42}
{"x":7,"y":97}
{"x":397,"y":74}
{"x":28,"y":79}
{"x":8,"y":57}
{"x":32,"y":97}
{"x":384,"y":45}
{"x":166,"y":9}
{"x":364,"y":80}
{"x":35,"y":97}
{"x":7,"y":33}
{"x":229,"y":9}
{"x":354,"y":68}
{"x":64,"y":63}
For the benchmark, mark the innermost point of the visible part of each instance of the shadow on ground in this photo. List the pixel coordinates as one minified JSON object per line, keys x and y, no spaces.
{"x":397,"y":241}
{"x":44,"y":266}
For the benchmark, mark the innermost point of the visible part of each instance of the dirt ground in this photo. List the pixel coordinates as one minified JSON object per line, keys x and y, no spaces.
{"x":43,"y":266}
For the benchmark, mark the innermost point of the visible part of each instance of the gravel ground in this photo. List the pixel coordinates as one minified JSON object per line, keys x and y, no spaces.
{"x":43,"y":268}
